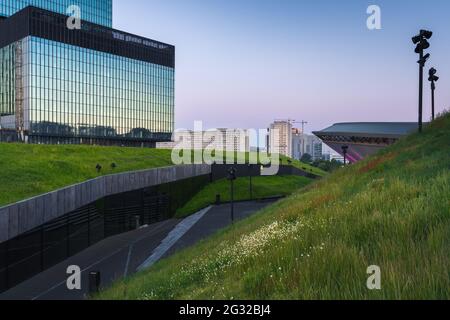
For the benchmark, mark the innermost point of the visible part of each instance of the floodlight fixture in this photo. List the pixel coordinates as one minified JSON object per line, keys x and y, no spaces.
{"x":421,"y":42}
{"x":424,"y":59}
{"x":432,"y":78}
{"x":427,"y":34}
{"x":416,"y":39}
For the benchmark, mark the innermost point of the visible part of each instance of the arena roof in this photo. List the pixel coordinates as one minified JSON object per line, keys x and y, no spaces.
{"x":371,"y":129}
{"x":364,"y":138}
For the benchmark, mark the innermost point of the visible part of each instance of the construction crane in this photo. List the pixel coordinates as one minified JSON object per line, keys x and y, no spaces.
{"x":303,"y":123}
{"x":292,"y":121}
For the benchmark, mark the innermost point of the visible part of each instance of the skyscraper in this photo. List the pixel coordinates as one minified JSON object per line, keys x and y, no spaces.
{"x":306,"y":144}
{"x":280,"y":138}
{"x":93,"y":85}
{"x":221,"y":139}
{"x":297,"y":143}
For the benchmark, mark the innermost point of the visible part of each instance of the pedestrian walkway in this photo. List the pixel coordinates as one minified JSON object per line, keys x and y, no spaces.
{"x":173,"y":237}
{"x":218,"y":217}
{"x":124,"y":254}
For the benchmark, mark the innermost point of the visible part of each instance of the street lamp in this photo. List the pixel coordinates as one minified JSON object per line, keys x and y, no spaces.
{"x":94,"y":282}
{"x":432,"y":78}
{"x":250,"y":178}
{"x":345,"y":151}
{"x":232,"y":177}
{"x":421,"y":42}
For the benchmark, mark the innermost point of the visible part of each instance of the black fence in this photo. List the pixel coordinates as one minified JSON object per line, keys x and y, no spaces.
{"x":9,"y":136}
{"x":220,"y":171}
{"x":33,"y":252}
{"x":290,"y":170}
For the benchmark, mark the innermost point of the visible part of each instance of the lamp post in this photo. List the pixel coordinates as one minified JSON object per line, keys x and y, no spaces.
{"x":345,"y":151}
{"x":432,"y":78}
{"x":94,"y":282}
{"x":421,"y":42}
{"x":232,"y":177}
{"x":250,"y":178}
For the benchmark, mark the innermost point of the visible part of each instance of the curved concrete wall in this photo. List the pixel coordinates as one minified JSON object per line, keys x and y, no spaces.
{"x":26,"y":215}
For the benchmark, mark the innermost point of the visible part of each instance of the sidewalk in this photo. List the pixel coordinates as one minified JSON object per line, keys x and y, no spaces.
{"x":122,"y":255}
{"x":218,"y":217}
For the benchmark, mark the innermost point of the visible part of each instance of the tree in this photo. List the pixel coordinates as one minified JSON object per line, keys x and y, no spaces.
{"x":328,"y":166}
{"x":323,"y":166}
{"x":306,"y":158}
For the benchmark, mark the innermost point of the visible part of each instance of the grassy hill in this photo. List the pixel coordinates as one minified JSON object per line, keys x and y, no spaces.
{"x":304,"y":166}
{"x":262,"y":187}
{"x":28,"y":170}
{"x":391,"y":210}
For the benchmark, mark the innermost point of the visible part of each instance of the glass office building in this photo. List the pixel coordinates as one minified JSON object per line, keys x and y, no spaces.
{"x":95,"y":11}
{"x":95,"y":85}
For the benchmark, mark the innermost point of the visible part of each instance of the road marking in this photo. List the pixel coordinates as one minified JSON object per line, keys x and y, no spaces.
{"x":130,"y":249}
{"x":180,"y":230}
{"x":64,"y":281}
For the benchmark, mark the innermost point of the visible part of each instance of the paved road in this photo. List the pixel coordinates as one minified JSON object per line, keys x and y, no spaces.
{"x":121,"y":255}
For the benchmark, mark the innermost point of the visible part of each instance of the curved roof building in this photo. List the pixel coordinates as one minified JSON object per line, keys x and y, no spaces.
{"x":364,"y":138}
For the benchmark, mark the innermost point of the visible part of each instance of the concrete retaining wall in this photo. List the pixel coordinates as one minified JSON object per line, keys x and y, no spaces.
{"x":24,"y":216}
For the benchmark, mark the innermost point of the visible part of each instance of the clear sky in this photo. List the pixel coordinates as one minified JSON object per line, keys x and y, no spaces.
{"x":244,"y":63}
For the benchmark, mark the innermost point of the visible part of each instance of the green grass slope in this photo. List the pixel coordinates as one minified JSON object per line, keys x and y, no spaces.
{"x":391,"y":210}
{"x":28,"y":170}
{"x":262,"y":187}
{"x":304,"y":167}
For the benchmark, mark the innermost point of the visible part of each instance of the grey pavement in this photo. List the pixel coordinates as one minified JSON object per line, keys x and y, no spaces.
{"x":123,"y":254}
{"x":218,"y":217}
{"x":173,"y":237}
{"x":114,"y":257}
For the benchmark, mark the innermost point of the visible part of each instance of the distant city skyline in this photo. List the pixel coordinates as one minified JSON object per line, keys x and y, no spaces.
{"x":243,"y":64}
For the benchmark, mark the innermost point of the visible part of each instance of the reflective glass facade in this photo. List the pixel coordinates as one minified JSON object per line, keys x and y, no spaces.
{"x":82,"y":92}
{"x":95,"y":85}
{"x":95,"y":11}
{"x":7,"y":80}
